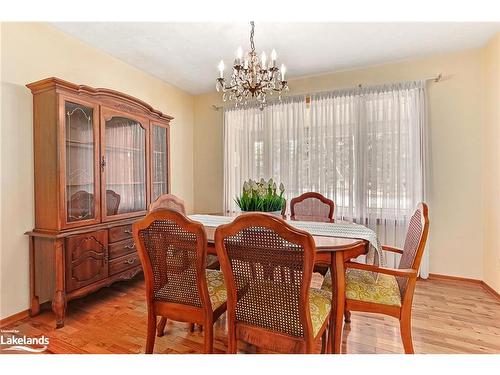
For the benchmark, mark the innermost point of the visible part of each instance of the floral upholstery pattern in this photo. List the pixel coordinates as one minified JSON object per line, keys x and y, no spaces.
{"x":216,"y":288}
{"x":319,"y":304}
{"x":362,"y":286}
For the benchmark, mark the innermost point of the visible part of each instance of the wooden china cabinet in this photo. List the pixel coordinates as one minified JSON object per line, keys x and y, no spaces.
{"x":100,"y":158}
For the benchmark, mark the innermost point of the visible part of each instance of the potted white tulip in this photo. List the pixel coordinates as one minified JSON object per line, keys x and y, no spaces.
{"x":261,"y":196}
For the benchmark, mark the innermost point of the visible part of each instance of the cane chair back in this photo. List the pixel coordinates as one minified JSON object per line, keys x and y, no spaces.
{"x":312,"y":206}
{"x":267,"y":265}
{"x":414,"y":245}
{"x":81,"y":205}
{"x":172,"y":252}
{"x":170,"y":202}
{"x":112,"y":202}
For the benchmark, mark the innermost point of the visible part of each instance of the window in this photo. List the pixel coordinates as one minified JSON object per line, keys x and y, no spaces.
{"x":363,"y":148}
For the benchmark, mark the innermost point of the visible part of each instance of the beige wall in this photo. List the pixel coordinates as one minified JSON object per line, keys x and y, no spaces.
{"x":208,"y":154}
{"x":491,"y":167}
{"x":33,"y":51}
{"x":455,"y":106}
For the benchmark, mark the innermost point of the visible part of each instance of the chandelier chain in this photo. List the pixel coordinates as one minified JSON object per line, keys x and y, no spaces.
{"x":252,"y":45}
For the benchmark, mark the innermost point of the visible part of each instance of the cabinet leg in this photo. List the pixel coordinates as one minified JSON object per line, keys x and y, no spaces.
{"x":35,"y":306}
{"x":34,"y":301}
{"x":59,"y":301}
{"x":59,"y":308}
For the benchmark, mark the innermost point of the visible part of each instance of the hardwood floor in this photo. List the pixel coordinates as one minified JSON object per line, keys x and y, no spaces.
{"x":448,"y":317}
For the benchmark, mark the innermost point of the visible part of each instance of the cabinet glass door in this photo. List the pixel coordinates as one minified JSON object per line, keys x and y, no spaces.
{"x":80,"y":162}
{"x":124,"y":165}
{"x":159,"y":161}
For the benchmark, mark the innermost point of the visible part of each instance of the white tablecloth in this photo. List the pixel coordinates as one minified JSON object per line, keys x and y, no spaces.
{"x":342,"y":230}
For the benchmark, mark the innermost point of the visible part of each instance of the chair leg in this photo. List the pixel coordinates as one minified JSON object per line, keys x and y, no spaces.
{"x":323,"y":341}
{"x":150,"y":340}
{"x":208,"y":337}
{"x":191,"y":327}
{"x":232,"y":344}
{"x":347,"y":316}
{"x":161,"y":327}
{"x":405,"y":327}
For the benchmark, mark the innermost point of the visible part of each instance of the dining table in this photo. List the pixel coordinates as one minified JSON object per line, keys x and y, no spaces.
{"x":333,"y":252}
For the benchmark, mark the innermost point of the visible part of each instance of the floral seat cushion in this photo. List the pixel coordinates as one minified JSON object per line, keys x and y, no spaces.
{"x":319,"y":304}
{"x":216,"y":288}
{"x":362,"y":286}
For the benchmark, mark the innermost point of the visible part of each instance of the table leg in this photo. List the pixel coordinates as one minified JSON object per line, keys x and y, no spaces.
{"x":340,"y":296}
{"x":338,"y":286}
{"x":331,"y":324}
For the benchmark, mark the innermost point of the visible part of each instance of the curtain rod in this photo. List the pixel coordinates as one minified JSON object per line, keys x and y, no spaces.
{"x":435,"y":79}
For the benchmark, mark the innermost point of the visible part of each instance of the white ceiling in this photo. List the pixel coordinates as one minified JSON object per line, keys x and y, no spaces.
{"x":186,"y":54}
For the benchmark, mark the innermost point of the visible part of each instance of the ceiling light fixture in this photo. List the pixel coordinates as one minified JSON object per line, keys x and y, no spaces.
{"x":252,"y":78}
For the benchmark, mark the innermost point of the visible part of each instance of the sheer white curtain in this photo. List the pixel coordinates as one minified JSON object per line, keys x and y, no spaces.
{"x":363,"y":148}
{"x":126,"y":163}
{"x":264,"y":144}
{"x":393,"y":157}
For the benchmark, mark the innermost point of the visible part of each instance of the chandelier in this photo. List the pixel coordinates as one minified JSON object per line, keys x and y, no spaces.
{"x":252,"y":78}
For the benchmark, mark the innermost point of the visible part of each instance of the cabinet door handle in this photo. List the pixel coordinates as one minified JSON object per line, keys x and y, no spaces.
{"x":130,"y":261}
{"x":103,"y":163}
{"x":127,"y":231}
{"x":130,"y":246}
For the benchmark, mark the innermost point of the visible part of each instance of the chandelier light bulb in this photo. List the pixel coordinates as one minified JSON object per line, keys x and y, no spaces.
{"x":274,"y":55}
{"x":239,"y":53}
{"x":263,"y":58}
{"x":283,"y":71}
{"x":221,"y":69}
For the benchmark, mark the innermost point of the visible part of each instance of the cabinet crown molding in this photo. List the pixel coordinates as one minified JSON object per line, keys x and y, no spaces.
{"x":132,"y":105}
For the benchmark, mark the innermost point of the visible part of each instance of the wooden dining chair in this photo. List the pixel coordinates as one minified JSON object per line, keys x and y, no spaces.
{"x":172,"y":249}
{"x":267,"y":266}
{"x":391,"y":292}
{"x":172,"y":202}
{"x":312,"y":206}
{"x":81,"y":206}
{"x":168,"y":201}
{"x":112,"y":202}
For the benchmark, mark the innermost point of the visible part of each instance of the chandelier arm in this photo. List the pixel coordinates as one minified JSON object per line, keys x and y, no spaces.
{"x":228,"y":87}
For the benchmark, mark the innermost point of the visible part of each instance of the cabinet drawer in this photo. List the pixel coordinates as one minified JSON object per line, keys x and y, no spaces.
{"x":120,"y":233}
{"x":118,"y":249}
{"x":124,"y":263}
